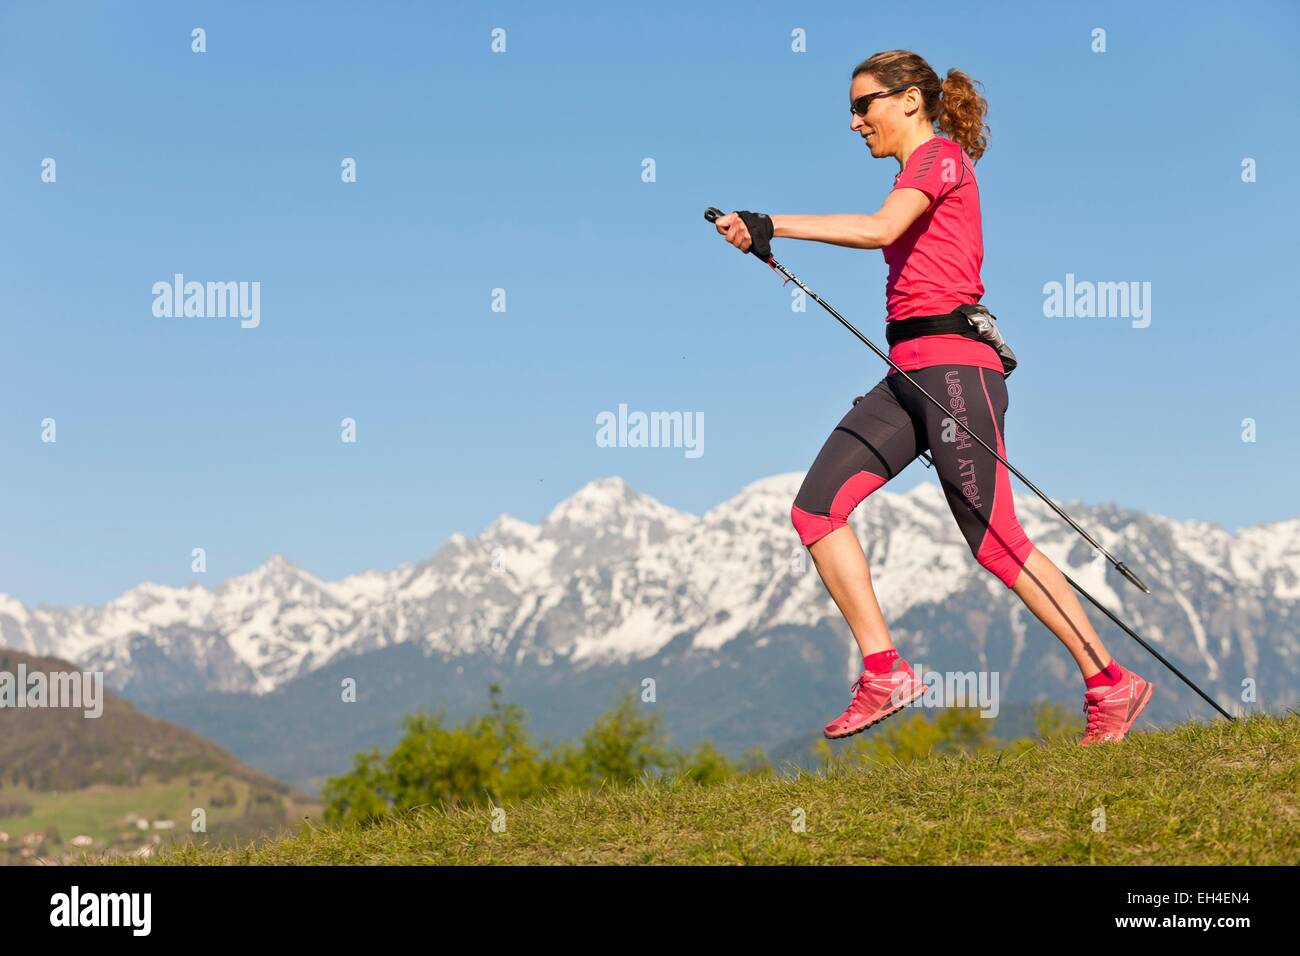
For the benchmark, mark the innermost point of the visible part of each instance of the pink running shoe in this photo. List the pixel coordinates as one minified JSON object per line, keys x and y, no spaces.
{"x":1112,"y":710}
{"x":875,"y":697}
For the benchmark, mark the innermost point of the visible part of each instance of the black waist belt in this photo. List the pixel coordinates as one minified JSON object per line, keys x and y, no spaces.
{"x":954,"y":323}
{"x":969,"y":321}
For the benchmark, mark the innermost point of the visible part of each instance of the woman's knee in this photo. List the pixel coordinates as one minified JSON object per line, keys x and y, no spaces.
{"x":1003,"y":553}
{"x":813,"y":527}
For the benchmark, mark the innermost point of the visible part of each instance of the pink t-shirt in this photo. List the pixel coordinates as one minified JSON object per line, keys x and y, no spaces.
{"x":935,"y":265}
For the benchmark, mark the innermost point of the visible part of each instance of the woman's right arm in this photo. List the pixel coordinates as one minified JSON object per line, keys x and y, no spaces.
{"x":901,"y":208}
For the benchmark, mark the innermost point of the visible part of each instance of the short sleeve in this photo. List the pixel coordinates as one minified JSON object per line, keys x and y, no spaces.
{"x":935,"y":168}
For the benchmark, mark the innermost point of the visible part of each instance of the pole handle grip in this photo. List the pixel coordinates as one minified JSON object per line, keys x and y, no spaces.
{"x":712,"y":213}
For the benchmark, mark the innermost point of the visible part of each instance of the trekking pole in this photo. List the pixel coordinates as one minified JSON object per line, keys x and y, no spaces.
{"x":1132,"y":633}
{"x":712,"y":213}
{"x":1150,"y":650}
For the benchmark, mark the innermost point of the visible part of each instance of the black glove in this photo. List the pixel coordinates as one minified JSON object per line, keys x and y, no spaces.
{"x":760,"y":232}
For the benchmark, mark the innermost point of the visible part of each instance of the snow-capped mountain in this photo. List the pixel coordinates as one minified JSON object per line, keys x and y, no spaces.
{"x":614,"y":576}
{"x":724,"y":611}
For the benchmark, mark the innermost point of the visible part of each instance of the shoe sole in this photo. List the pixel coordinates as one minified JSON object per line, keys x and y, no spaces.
{"x":885,"y":716}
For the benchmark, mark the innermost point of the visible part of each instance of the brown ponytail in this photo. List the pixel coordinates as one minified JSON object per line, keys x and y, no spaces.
{"x":961,"y":114}
{"x":954,"y":105}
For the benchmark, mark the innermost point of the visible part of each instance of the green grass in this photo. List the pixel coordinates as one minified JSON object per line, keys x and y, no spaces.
{"x":1196,"y":794}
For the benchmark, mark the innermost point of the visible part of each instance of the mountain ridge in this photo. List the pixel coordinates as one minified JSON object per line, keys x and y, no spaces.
{"x":613,"y":574}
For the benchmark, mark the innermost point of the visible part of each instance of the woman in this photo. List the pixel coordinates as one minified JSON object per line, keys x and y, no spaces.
{"x":929,"y":231}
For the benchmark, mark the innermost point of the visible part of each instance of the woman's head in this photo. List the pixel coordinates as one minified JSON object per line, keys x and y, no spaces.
{"x":913,"y":97}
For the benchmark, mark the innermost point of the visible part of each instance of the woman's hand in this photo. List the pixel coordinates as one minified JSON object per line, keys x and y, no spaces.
{"x":748,"y":232}
{"x":732,"y":228}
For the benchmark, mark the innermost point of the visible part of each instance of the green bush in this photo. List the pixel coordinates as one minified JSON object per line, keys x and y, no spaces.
{"x":492,"y":759}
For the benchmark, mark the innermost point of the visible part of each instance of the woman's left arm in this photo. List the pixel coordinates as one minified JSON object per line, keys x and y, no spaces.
{"x":901,"y":208}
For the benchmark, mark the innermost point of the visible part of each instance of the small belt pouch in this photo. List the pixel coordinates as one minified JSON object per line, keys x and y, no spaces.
{"x":972,"y":321}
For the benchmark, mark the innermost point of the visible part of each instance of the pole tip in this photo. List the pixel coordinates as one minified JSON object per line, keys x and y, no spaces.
{"x":1137,"y":582}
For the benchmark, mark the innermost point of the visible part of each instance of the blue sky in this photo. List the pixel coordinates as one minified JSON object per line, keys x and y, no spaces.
{"x":523,"y":171}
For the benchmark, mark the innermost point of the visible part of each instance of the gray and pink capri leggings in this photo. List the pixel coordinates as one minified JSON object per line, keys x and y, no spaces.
{"x":889,"y":426}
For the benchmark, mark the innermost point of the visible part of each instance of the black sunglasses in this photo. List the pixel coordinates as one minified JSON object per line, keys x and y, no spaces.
{"x":863,"y":103}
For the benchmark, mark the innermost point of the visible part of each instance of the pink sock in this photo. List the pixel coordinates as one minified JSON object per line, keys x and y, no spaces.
{"x":1110,"y":674}
{"x":880,"y":662}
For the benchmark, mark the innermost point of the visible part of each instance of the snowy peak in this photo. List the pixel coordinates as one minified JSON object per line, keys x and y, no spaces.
{"x":507,"y":528}
{"x":154,"y":604}
{"x":765,"y":495}
{"x":278,"y":580}
{"x":608,"y":502}
{"x":1269,"y":555}
{"x":601,"y":497}
{"x":608,"y":520}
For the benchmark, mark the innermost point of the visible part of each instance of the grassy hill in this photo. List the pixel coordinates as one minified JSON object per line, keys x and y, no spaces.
{"x":1199,"y":793}
{"x":120,"y":779}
